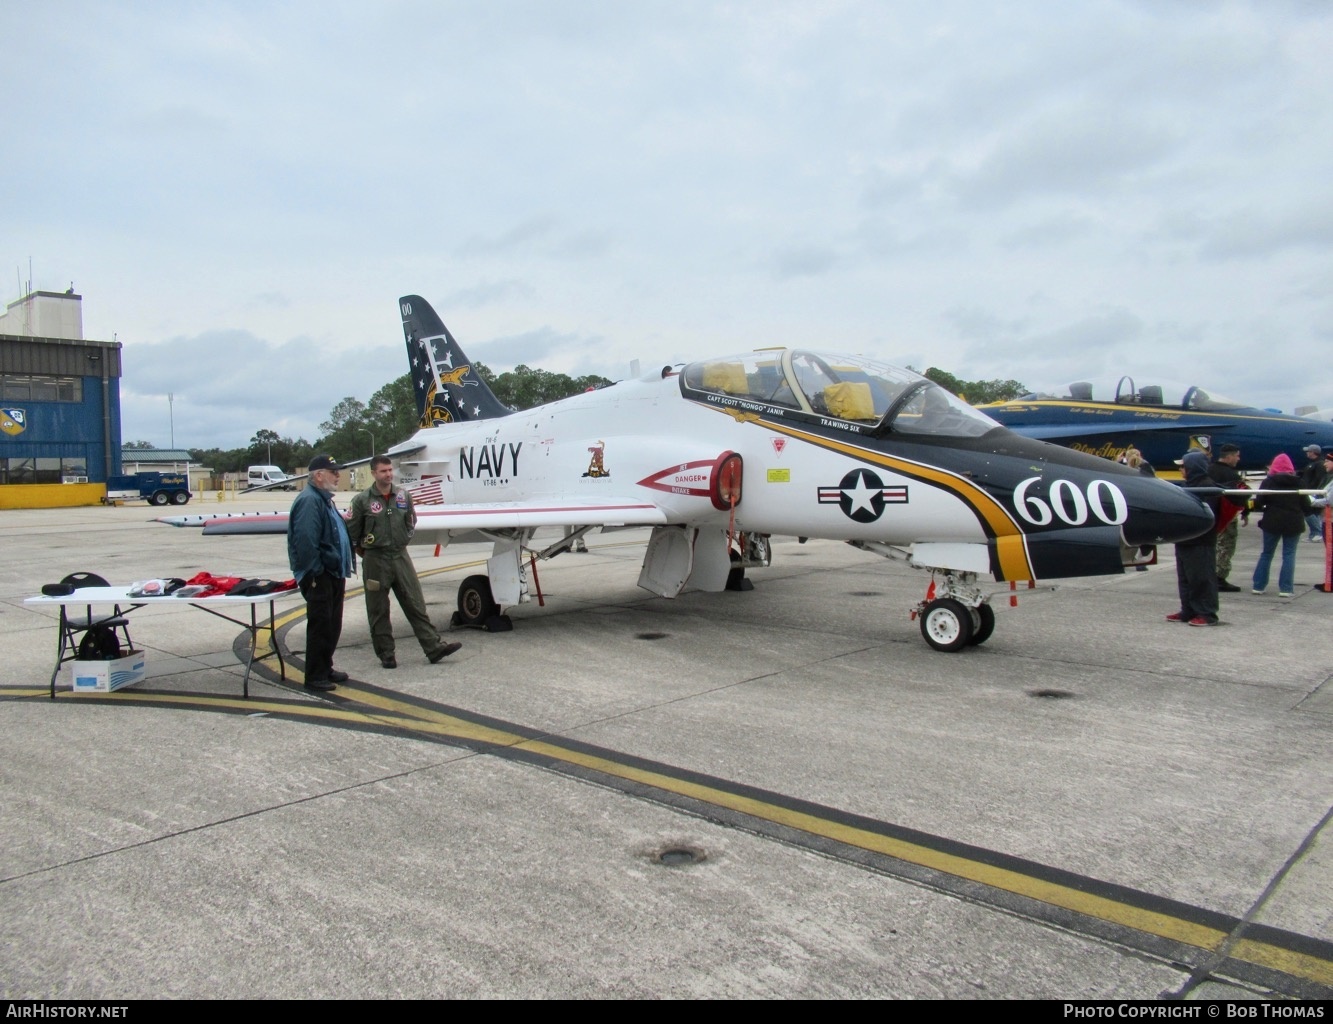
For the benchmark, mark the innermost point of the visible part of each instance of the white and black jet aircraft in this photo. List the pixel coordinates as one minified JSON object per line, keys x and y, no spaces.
{"x":719,"y":455}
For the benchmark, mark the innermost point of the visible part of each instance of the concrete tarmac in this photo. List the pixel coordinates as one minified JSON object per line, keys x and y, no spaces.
{"x":778,"y":793}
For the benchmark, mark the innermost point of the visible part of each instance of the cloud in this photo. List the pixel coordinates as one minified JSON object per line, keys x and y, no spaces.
{"x":1258,"y":233}
{"x":1047,"y":355}
{"x":804,"y":261}
{"x":1079,"y":151}
{"x":228,"y":384}
{"x":520,"y":236}
{"x":1022,"y":193}
{"x":545,"y":349}
{"x":487,"y":293}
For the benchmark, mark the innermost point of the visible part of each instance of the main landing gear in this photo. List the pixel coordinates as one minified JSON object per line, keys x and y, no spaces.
{"x":477,"y":608}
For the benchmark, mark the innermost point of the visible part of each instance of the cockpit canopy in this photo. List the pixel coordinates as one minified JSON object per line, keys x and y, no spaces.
{"x":1166,"y":394}
{"x":852,"y":388}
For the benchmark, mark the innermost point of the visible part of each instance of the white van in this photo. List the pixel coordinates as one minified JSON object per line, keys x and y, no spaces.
{"x":270,"y":476}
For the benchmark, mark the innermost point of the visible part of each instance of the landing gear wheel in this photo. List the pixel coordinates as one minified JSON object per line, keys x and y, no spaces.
{"x":180,"y":498}
{"x":736,"y":576}
{"x":475,"y":604}
{"x":984,"y":625}
{"x":159,"y":498}
{"x":946,"y":625}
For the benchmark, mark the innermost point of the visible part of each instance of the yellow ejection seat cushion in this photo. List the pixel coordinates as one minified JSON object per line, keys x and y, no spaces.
{"x":728,"y":377}
{"x":850,"y":400}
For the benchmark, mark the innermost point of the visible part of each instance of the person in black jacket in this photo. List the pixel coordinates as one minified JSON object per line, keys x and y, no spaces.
{"x":1313,"y":478}
{"x":1223,"y":470}
{"x":1283,"y":520}
{"x":1196,"y":558}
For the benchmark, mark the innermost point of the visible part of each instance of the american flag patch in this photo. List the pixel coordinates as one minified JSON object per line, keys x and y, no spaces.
{"x":428,"y":492}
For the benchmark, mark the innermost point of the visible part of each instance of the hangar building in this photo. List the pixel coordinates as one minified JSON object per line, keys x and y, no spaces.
{"x":59,"y":405}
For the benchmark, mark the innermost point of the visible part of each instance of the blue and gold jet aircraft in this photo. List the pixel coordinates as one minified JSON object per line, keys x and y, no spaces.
{"x":1161,"y":420}
{"x":719,"y":455}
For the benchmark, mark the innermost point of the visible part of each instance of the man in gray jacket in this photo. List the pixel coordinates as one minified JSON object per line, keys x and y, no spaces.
{"x":320,"y":554}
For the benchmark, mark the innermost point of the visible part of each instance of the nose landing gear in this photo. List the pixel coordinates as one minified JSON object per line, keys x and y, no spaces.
{"x":958,"y":617}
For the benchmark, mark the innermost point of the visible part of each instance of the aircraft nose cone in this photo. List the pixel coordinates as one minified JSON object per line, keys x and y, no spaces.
{"x":1162,"y":513}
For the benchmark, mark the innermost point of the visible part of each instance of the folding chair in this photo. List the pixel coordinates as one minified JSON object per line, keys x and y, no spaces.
{"x":73,"y":625}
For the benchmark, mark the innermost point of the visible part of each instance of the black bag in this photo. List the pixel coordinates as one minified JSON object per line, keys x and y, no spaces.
{"x":99,"y":643}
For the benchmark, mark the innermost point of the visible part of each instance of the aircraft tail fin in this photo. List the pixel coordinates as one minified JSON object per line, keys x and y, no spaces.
{"x":448,"y":388}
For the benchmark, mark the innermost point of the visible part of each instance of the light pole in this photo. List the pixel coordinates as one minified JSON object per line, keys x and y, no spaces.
{"x":171,"y":413}
{"x":362,"y":430}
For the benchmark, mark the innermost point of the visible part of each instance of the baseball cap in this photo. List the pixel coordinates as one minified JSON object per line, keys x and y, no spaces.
{"x":1312,"y":448}
{"x":324,"y":462}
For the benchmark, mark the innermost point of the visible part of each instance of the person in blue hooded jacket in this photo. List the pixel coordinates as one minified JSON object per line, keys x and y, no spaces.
{"x":320,"y":554}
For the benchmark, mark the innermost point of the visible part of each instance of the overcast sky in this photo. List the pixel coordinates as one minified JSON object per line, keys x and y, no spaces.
{"x":241,"y":192}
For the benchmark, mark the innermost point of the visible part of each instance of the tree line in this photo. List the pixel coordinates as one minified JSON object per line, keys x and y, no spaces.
{"x":357,"y":429}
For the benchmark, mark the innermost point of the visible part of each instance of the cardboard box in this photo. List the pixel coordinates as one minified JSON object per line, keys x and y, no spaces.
{"x":105,"y":676}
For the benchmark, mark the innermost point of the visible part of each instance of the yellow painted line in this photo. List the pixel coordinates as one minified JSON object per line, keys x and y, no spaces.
{"x":1008,"y":880}
{"x":1298,"y":965}
{"x":411,"y":718}
{"x":1103,"y":908}
{"x":996,"y":877}
{"x":1053,"y":893}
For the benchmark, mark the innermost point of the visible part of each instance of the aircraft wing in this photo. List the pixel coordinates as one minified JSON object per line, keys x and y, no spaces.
{"x":509,"y":515}
{"x":1057,"y":431}
{"x":503,"y":515}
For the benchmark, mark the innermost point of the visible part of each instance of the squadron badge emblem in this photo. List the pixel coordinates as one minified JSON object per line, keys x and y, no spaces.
{"x":12,"y":421}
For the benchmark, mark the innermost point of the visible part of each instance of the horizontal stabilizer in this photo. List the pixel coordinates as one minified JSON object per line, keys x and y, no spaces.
{"x":209,"y":519}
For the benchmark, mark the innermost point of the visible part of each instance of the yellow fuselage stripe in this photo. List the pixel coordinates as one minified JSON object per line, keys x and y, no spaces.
{"x":1011,"y":542}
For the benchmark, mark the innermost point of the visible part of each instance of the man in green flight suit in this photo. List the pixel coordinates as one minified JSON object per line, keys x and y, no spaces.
{"x":380,"y":528}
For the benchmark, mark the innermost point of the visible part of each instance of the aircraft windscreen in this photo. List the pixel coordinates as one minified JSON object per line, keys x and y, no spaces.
{"x":1165,"y":393}
{"x":933,"y":410}
{"x":850,"y":388}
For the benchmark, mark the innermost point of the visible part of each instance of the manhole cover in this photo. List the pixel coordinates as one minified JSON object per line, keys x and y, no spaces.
{"x":651,"y":636}
{"x":1051,"y":694}
{"x":680,"y":856}
{"x":863,"y":593}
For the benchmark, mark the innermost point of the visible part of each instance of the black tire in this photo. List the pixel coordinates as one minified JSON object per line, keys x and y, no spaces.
{"x":984,"y":626}
{"x":946,"y":625}
{"x":159,"y":498}
{"x":475,"y":603}
{"x":736,"y":575}
{"x":180,"y":498}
